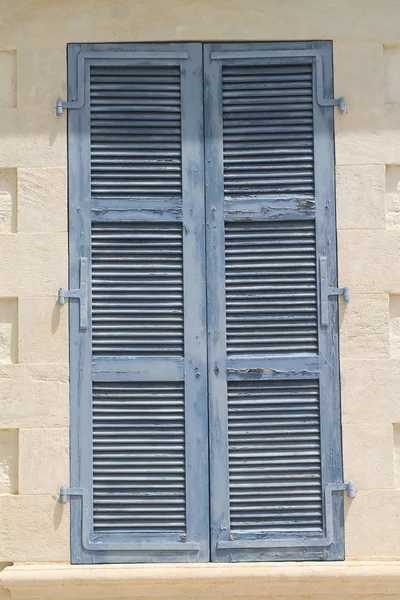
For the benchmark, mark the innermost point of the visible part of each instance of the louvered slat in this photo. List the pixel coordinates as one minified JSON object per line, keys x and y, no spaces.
{"x":137,"y":289}
{"x":135,"y":129}
{"x":138,"y":457}
{"x":267,"y":130}
{"x":274,"y":456}
{"x":270,"y":274}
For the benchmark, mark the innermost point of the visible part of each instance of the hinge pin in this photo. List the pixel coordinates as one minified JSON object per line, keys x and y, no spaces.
{"x":344,"y":291}
{"x":342,"y":104}
{"x":59,"y":107}
{"x":351,"y":490}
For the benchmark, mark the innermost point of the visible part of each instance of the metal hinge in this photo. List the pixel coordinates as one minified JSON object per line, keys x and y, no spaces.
{"x":267,"y":54}
{"x":66,"y":492}
{"x":80,"y":101}
{"x":339,"y":102}
{"x":91,"y":542}
{"x":62,"y":104}
{"x":80,"y":293}
{"x":326,"y":291}
{"x":111,"y":55}
{"x":347,"y":486}
{"x":298,"y":542}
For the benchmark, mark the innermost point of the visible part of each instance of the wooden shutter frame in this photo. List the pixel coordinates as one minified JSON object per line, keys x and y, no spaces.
{"x":80,"y":378}
{"x":85,"y":548}
{"x":285,"y":547}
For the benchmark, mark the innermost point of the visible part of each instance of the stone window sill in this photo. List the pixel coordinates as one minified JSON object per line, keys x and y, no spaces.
{"x":377,"y":579}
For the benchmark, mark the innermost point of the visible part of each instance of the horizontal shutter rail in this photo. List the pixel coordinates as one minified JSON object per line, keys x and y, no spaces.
{"x":264,"y":208}
{"x":276,"y":58}
{"x":269,"y":367}
{"x":141,"y":369}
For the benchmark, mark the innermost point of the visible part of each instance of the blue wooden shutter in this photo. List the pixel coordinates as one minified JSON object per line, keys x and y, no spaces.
{"x":138,"y":366}
{"x":273,"y":366}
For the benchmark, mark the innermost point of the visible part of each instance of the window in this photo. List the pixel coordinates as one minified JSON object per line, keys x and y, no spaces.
{"x":205,"y":415}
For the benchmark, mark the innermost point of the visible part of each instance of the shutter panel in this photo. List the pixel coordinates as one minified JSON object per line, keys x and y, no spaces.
{"x":138,"y":371}
{"x":273,"y":366}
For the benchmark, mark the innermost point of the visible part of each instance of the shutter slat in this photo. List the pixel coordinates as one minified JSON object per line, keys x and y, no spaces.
{"x":292,"y":244}
{"x":135,"y":111}
{"x":140,"y":513}
{"x":272,"y":112}
{"x":265,"y":464}
{"x":114,"y":290}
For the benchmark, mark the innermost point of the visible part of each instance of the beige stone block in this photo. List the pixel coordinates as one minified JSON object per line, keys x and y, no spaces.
{"x":394,"y":325}
{"x":44,"y":456}
{"x":364,"y":328}
{"x":34,"y":395}
{"x":32,"y":137}
{"x":42,"y":199}
{"x":4,"y":592}
{"x":368,"y":455}
{"x":10,"y":9}
{"x":360,"y":197}
{"x":392,"y":196}
{"x":396,"y":454}
{"x":391,"y":62}
{"x":368,"y":135}
{"x":8,"y":200}
{"x":42,"y":77}
{"x":42,"y":260}
{"x":358,"y":69}
{"x":36,"y":529}
{"x":48,"y":26}
{"x":8,"y":330}
{"x":8,"y":78}
{"x":368,"y":260}
{"x":42,"y":330}
{"x":372,"y":524}
{"x":8,"y":461}
{"x":369,"y":390}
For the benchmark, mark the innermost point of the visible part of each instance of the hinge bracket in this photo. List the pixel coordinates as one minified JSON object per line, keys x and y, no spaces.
{"x":80,"y":293}
{"x":321,"y":542}
{"x":89,"y":541}
{"x":347,"y":486}
{"x":326,"y":291}
{"x":65,"y":492}
{"x":339,"y":102}
{"x":267,"y":54}
{"x":62,"y":104}
{"x":344,"y":291}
